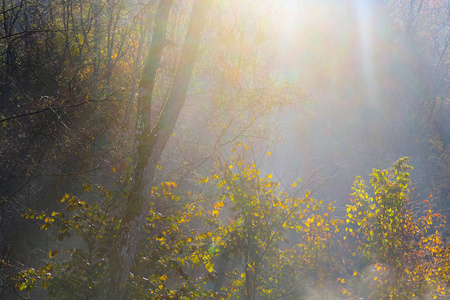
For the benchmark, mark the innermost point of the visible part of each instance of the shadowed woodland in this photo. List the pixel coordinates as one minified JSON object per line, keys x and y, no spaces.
{"x":201,"y":149}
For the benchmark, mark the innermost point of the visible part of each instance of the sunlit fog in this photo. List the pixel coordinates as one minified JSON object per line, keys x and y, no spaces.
{"x":200,"y":149}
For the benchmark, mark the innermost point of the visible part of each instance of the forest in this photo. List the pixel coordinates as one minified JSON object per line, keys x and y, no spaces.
{"x":224,"y":149}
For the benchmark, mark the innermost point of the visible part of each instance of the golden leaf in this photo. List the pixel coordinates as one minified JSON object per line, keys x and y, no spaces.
{"x":53,"y":253}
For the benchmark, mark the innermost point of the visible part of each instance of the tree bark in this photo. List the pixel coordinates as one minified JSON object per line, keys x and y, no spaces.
{"x":122,"y":254}
{"x":150,"y":142}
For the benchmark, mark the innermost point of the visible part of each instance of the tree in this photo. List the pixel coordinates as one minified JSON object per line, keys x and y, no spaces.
{"x":269,"y":241}
{"x":66,"y":69}
{"x":399,"y":243}
{"x":151,"y":141}
{"x":422,"y":28}
{"x":169,"y":254}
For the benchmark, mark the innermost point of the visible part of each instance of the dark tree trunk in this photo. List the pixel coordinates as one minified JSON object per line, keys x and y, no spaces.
{"x":150,"y":142}
{"x":122,"y":255}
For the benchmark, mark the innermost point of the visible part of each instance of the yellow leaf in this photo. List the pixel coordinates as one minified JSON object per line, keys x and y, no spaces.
{"x":206,"y":180}
{"x":114,"y":169}
{"x":163,"y":277}
{"x":53,"y":253}
{"x":269,"y":176}
{"x":294,"y":184}
{"x":22,"y":286}
{"x":269,"y":153}
{"x":356,"y":273}
{"x":210,"y":267}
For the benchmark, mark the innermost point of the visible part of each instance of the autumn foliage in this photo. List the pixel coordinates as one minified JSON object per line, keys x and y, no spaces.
{"x":402,"y":245}
{"x":248,"y":237}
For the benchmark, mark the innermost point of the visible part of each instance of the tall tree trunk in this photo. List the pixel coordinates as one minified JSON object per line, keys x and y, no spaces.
{"x":150,"y":142}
